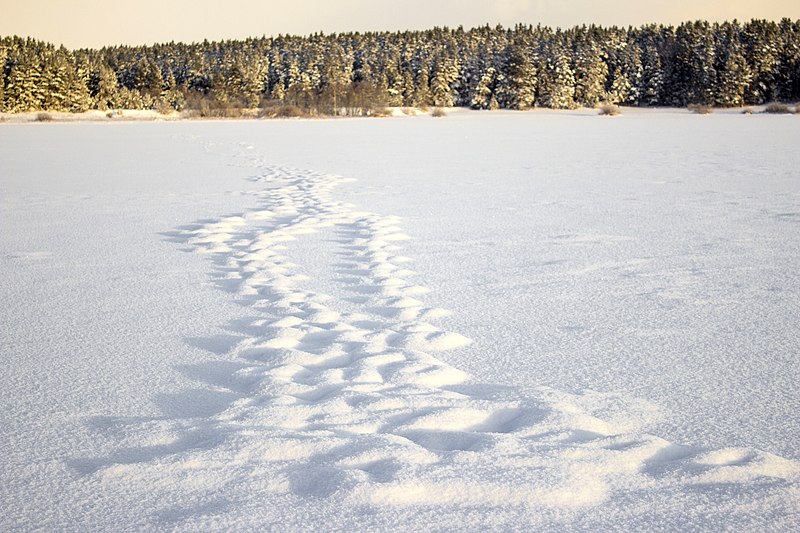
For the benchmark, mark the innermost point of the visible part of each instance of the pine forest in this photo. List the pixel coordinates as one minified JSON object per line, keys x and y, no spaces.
{"x":721,"y":64}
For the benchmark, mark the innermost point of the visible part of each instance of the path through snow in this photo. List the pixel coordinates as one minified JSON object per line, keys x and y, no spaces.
{"x":348,"y":417}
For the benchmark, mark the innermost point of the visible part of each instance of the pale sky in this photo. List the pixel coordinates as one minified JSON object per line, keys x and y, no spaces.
{"x":94,"y":23}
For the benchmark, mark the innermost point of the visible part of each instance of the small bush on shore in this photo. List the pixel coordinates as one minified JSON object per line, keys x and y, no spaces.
{"x":438,"y":112}
{"x":609,"y":109}
{"x":282,"y":111}
{"x":381,"y":112}
{"x":43,"y":117}
{"x":213,"y":105}
{"x":165,"y":108}
{"x":701,"y":109}
{"x":777,"y":108}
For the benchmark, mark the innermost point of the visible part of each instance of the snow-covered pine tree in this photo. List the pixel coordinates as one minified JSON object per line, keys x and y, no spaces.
{"x":276,"y":73}
{"x":517,"y":87}
{"x":478,"y":79}
{"x":760,"y":39}
{"x":394,"y":82}
{"x":556,"y":86}
{"x":408,"y":87}
{"x":342,"y":75}
{"x":733,"y":74}
{"x":243,"y":84}
{"x":652,"y":85}
{"x":422,"y":92}
{"x":591,"y":71}
{"x":691,"y":76}
{"x":445,"y":74}
{"x":483,"y":92}
{"x":3,"y":58}
{"x":23,"y":83}
{"x":788,"y":71}
{"x":625,"y":77}
{"x":147,"y":79}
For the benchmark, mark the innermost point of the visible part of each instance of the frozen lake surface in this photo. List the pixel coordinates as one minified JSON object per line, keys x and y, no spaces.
{"x":492,"y":320}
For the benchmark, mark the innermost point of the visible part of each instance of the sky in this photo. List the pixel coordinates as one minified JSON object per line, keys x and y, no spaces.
{"x":95,"y":23}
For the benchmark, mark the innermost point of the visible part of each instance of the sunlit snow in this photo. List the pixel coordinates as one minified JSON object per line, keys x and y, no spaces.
{"x":489,"y":321}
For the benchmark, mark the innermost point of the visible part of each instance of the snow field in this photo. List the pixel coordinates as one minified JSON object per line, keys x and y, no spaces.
{"x":326,"y":403}
{"x":391,"y":425}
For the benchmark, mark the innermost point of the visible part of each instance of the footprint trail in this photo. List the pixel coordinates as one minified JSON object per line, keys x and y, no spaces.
{"x":351,"y":410}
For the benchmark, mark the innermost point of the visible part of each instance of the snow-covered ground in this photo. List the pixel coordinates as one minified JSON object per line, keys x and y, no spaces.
{"x":266,"y":325}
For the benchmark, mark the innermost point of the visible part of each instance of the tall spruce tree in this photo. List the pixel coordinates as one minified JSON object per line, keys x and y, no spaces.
{"x":761,"y":41}
{"x":518,"y":84}
{"x":733,"y":73}
{"x":557,"y":80}
{"x":591,"y":71}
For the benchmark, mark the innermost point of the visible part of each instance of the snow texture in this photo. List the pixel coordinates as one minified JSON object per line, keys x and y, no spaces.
{"x":202,"y":333}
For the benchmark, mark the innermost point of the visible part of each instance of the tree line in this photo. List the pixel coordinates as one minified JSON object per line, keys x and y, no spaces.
{"x":720,"y":64}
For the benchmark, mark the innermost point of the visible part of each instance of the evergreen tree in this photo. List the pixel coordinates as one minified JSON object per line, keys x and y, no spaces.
{"x":692,"y":77}
{"x":103,"y":88}
{"x":788,"y":68}
{"x":518,"y":85}
{"x":394,"y":85}
{"x":3,"y":59}
{"x":733,"y":73}
{"x":591,"y":72}
{"x":624,"y":84}
{"x":337,"y":74}
{"x":408,"y":88}
{"x":652,"y":84}
{"x":483,"y":93}
{"x":242,"y":84}
{"x":422,"y":92}
{"x":760,"y":39}
{"x":442,"y":85}
{"x":557,"y":81}
{"x":24,"y":75}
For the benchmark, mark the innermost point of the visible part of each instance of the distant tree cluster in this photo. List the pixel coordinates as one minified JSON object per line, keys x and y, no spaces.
{"x":726,"y":64}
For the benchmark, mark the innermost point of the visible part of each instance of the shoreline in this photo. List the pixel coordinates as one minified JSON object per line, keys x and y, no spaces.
{"x":139,"y":115}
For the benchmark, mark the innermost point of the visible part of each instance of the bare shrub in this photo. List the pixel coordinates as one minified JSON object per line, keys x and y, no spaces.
{"x":609,"y":109}
{"x":438,"y":112}
{"x":407,"y":111}
{"x":701,"y":109}
{"x":163,"y":107}
{"x":190,"y":113}
{"x":747,"y":111}
{"x":224,"y":110}
{"x":228,"y":111}
{"x":777,"y":108}
{"x":214,"y":105}
{"x":282,"y":111}
{"x":271,"y":108}
{"x":797,"y":109}
{"x":43,"y":117}
{"x":381,"y":112}
{"x":267,"y":106}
